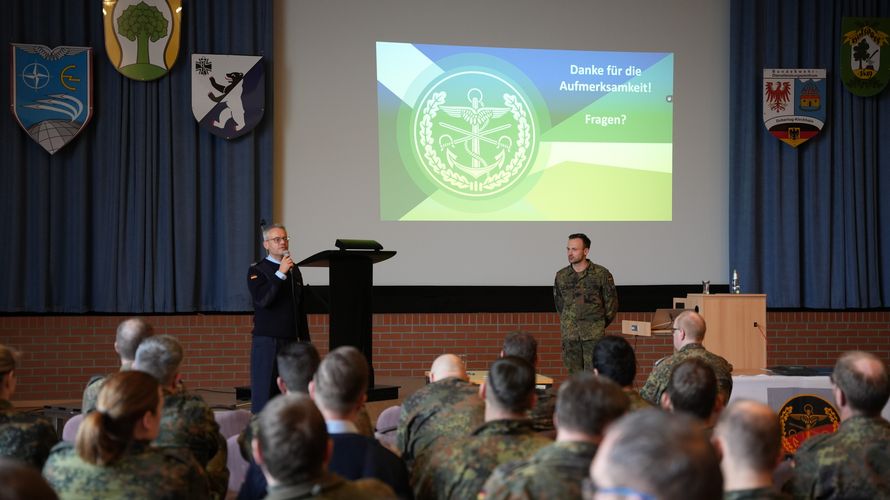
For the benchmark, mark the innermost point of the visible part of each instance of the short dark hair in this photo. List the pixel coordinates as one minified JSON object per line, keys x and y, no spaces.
{"x":341,"y":379}
{"x":581,"y":236}
{"x":21,"y":481}
{"x":587,"y":403}
{"x":297,"y":364}
{"x":293,"y":438}
{"x":522,"y":345}
{"x":693,"y":388}
{"x":511,"y":383}
{"x":753,"y":432}
{"x":613,"y":357}
{"x":866,"y":392}
{"x":130,"y":333}
{"x":668,"y":455}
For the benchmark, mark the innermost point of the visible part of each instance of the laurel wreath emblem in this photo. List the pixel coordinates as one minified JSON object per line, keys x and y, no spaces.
{"x":491,"y":183}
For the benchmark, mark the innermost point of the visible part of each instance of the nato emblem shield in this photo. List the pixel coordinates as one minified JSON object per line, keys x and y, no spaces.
{"x":142,"y":36}
{"x":52,"y":92}
{"x":228,"y":93}
{"x":794,"y":103}
{"x":863,"y":70}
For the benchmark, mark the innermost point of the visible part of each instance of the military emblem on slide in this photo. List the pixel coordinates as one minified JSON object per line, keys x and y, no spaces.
{"x":794,"y":103}
{"x":803,"y":417}
{"x":862,"y":69}
{"x":142,"y":36}
{"x":52,"y":92}
{"x":228,"y":93}
{"x":474,"y":133}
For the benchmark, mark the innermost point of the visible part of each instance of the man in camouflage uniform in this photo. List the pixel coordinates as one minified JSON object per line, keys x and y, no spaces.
{"x":186,"y":421}
{"x":25,"y":437}
{"x":447,"y":408}
{"x":586,"y":405}
{"x":692,"y":389}
{"x":853,"y":462}
{"x":292,"y":446}
{"x":458,"y":469}
{"x":749,"y":438}
{"x":524,"y":345}
{"x":614,"y":358}
{"x":688,"y":334}
{"x":587,"y":302}
{"x":130,"y":333}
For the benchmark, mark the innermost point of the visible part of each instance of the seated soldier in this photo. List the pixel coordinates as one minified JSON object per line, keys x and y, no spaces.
{"x":293,"y":449}
{"x":129,"y":334}
{"x":586,"y":405}
{"x":656,"y":455}
{"x":447,"y":408}
{"x":524,"y":345}
{"x":692,"y":388}
{"x":853,"y":462}
{"x":25,"y":437}
{"x":187,"y":421}
{"x":613,"y":357}
{"x":112,"y":456}
{"x":458,"y":469}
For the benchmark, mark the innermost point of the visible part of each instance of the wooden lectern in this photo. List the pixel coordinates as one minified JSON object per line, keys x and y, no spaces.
{"x":736,"y":326}
{"x":351,"y":301}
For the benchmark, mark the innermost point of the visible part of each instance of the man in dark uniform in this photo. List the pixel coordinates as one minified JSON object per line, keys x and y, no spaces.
{"x":587,"y":302}
{"x":276,"y":287}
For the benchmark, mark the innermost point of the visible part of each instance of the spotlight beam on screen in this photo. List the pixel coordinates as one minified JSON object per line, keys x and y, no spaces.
{"x":505,"y":134}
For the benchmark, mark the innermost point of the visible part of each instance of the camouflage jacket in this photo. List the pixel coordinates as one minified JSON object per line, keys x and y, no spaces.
{"x":661,"y":374}
{"x":91,"y":394}
{"x":24,"y":436}
{"x":143,"y":472}
{"x":555,"y":471}
{"x":853,"y":462}
{"x":446,"y":409}
{"x":333,"y":487}
{"x":587,"y":301}
{"x":542,"y":413}
{"x":458,"y":469}
{"x":188,"y":422}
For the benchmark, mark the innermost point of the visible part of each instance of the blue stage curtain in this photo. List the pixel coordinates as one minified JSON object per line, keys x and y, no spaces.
{"x":810,"y":227}
{"x":143,"y":211}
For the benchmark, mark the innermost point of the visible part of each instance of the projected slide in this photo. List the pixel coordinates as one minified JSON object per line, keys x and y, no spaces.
{"x":501,"y":134}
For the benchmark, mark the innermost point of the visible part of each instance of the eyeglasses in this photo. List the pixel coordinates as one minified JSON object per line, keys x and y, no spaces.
{"x":279,"y":240}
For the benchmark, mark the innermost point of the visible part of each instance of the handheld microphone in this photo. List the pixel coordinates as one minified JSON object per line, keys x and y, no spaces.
{"x":287,"y":254}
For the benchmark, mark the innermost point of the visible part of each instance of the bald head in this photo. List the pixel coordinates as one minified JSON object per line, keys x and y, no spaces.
{"x":130,"y":333}
{"x":863,"y":379}
{"x":692,"y":324}
{"x":447,"y":365}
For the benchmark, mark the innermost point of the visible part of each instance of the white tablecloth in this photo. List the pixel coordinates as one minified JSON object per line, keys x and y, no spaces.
{"x":775,"y":390}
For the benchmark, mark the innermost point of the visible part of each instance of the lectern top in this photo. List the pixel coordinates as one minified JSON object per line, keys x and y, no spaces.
{"x":325,"y":257}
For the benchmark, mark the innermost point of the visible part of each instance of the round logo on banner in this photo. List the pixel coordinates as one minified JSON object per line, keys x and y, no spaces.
{"x":803,"y":417}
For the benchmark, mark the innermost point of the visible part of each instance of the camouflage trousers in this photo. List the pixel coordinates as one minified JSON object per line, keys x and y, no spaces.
{"x":577,"y":355}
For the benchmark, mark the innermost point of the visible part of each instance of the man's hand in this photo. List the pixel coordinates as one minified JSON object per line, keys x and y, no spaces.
{"x":286,"y":264}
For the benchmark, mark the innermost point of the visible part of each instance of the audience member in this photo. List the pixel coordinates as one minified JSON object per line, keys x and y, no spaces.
{"x":524,"y":345}
{"x":23,"y":482}
{"x":853,"y":462}
{"x":447,"y":408}
{"x":293,"y":448}
{"x":656,"y":455}
{"x":130,"y":333}
{"x":749,"y":438}
{"x":692,"y":388}
{"x":112,"y":457}
{"x":23,"y":436}
{"x":688,"y":334}
{"x":458,"y":469}
{"x":187,"y":421}
{"x":585,"y":406}
{"x":297,"y":364}
{"x":614,"y":358}
{"x":339,"y":389}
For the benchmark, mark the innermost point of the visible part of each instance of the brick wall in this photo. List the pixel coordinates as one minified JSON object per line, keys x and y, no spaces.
{"x":61,"y":352}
